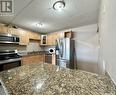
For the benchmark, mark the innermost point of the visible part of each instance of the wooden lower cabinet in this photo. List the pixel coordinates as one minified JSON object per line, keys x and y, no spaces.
{"x":50,"y":58}
{"x":31,"y":59}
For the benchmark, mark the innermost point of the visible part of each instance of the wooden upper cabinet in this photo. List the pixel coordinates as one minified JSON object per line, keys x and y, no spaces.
{"x":55,"y":37}
{"x":13,"y":31}
{"x":34,"y":35}
{"x":24,"y":40}
{"x":23,"y":34}
{"x":68,"y":34}
{"x":49,"y":39}
{"x":52,"y":37}
{"x":3,"y":29}
{"x":24,"y":37}
{"x":8,"y":30}
{"x":31,"y":36}
{"x":37,"y":36}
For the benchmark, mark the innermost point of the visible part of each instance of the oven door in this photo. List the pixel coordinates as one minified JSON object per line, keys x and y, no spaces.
{"x":9,"y":64}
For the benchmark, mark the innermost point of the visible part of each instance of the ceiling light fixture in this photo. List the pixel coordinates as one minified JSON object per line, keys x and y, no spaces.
{"x":39,"y":24}
{"x":59,"y":5}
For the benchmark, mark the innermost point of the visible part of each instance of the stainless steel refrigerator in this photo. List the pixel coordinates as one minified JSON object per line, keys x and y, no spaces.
{"x":65,"y":53}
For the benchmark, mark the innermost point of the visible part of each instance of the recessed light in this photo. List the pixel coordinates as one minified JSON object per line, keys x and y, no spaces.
{"x":59,"y":5}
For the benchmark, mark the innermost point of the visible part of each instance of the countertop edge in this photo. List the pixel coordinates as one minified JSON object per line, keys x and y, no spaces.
{"x":5,"y":88}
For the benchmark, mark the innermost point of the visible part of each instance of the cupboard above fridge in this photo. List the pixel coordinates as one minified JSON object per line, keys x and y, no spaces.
{"x":50,"y":39}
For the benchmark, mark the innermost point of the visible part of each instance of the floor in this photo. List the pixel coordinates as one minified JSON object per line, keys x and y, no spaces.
{"x":1,"y":91}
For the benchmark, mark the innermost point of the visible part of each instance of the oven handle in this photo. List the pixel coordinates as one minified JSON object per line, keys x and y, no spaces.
{"x":10,"y":60}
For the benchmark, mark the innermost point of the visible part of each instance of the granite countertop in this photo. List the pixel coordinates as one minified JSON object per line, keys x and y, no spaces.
{"x":31,"y":53}
{"x":34,"y":53}
{"x":46,"y":79}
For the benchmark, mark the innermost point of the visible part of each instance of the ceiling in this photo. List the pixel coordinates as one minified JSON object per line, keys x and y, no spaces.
{"x":27,"y":13}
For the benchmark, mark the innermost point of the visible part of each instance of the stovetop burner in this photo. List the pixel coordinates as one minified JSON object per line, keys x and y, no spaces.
{"x":6,"y":55}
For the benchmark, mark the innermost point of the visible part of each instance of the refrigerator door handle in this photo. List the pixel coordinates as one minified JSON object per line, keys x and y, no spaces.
{"x":62,"y":49}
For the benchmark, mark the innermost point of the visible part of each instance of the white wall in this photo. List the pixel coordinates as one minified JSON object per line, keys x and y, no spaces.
{"x":107,"y":24}
{"x":86,"y":47}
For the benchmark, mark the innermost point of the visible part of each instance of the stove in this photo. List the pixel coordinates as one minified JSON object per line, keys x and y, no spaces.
{"x":6,"y":55}
{"x":9,"y":59}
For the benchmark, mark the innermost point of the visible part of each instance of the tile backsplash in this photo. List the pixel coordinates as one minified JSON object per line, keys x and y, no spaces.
{"x":32,"y":46}
{"x":12,"y":47}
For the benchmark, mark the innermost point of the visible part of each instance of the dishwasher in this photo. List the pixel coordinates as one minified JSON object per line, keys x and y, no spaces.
{"x":48,"y":58}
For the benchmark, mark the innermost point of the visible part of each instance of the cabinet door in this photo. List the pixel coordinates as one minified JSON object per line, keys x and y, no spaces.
{"x":68,"y":34}
{"x":49,"y":39}
{"x":24,"y":40}
{"x":41,"y":58}
{"x":31,"y":36}
{"x":9,"y":30}
{"x":3,"y":29}
{"x":34,"y":36}
{"x":13,"y":31}
{"x":55,"y":36}
{"x":24,"y":37}
{"x":26,"y":60}
{"x":32,"y":59}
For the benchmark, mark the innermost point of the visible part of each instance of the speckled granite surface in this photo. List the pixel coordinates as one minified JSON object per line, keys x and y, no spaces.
{"x":46,"y":79}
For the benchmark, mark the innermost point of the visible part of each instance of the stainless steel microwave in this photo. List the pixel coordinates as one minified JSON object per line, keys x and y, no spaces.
{"x":9,"y":39}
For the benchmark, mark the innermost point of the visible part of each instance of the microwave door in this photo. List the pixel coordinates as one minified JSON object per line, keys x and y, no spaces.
{"x":7,"y":38}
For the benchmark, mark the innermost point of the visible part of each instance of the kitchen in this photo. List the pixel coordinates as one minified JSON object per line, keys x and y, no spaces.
{"x":41,"y":53}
